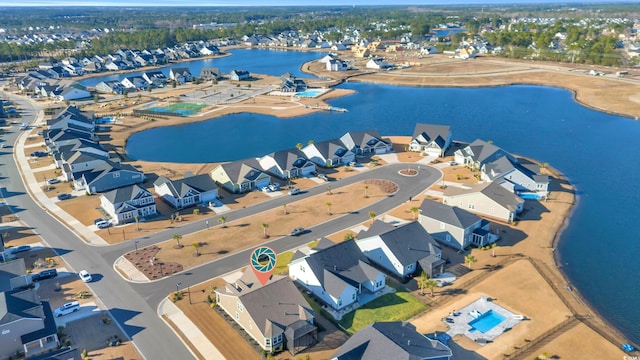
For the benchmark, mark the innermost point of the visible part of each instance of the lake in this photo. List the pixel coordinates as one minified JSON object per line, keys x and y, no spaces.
{"x":596,"y":151}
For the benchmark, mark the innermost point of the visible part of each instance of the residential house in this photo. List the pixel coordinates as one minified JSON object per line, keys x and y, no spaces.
{"x":287,"y":164}
{"x":62,"y":153}
{"x":210,"y":74}
{"x":488,"y":199}
{"x":519,"y":176}
{"x":338,"y":274}
{"x":126,"y":203}
{"x":73,"y":93}
{"x":110,"y":87}
{"x":337,"y":65}
{"x":290,"y":84}
{"x":433,"y":140}
{"x":454,"y":226}
{"x":180,"y":75}
{"x":366,"y":142}
{"x":71,"y":115}
{"x":403,"y":251}
{"x":378,"y":63}
{"x":391,"y":340}
{"x":190,"y":191}
{"x":239,"y":75}
{"x":80,"y":161}
{"x":479,"y":153}
{"x":26,"y":323}
{"x":135,"y":83}
{"x":57,"y":137}
{"x":208,"y":50}
{"x":155,"y":78}
{"x":241,"y":176}
{"x":330,"y":153}
{"x":275,"y":314}
{"x":106,"y":176}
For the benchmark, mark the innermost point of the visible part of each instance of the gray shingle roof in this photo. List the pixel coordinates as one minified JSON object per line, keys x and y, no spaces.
{"x":126,"y":193}
{"x":179,"y":188}
{"x":409,"y":242}
{"x":492,"y":190}
{"x":431,"y":131}
{"x":452,"y":215}
{"x":482,"y":151}
{"x":242,"y":170}
{"x":391,"y":340}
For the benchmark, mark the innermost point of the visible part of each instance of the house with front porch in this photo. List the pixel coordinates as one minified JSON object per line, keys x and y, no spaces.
{"x":80,"y":161}
{"x":241,"y":176}
{"x":330,"y":153}
{"x":479,"y":153}
{"x":126,"y":203}
{"x":403,"y":251}
{"x":110,"y":87}
{"x":453,"y":226}
{"x":340,"y":275}
{"x":433,"y":140}
{"x":74,"y":116}
{"x":190,"y":191}
{"x":391,"y":340}
{"x":368,"y":142}
{"x":155,"y":78}
{"x":239,"y":75}
{"x":180,"y":75}
{"x":135,"y":83}
{"x":287,"y":164}
{"x":488,"y":199}
{"x":210,"y":74}
{"x":106,"y":176}
{"x":275,"y":314}
{"x":519,"y":176}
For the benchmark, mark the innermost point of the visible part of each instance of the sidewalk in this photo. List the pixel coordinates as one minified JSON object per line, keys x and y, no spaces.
{"x":168,"y":310}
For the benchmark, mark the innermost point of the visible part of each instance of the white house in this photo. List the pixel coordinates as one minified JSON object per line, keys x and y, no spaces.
{"x":72,"y":93}
{"x":330,"y":153}
{"x":377,"y":63}
{"x":338,"y":274}
{"x":488,"y":199}
{"x":241,"y":176}
{"x":480,"y":152}
{"x":190,"y":191}
{"x":433,"y":140}
{"x":125,"y":203}
{"x":519,"y":176}
{"x":287,"y":164}
{"x":366,"y":142}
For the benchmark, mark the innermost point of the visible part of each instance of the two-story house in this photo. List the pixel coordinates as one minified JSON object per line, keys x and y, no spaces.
{"x":433,"y":140}
{"x":190,"y":191}
{"x":126,"y":203}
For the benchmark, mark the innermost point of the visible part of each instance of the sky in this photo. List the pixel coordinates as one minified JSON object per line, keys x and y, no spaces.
{"x":129,"y":3}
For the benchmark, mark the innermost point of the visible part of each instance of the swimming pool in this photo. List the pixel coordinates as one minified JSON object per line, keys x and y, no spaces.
{"x":486,"y":321}
{"x":530,"y":196}
{"x":311,"y":93}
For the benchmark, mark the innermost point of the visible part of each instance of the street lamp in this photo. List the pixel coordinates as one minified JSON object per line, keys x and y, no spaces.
{"x":135,"y":243}
{"x":178,"y":286}
{"x":207,"y":222}
{"x":189,"y":293}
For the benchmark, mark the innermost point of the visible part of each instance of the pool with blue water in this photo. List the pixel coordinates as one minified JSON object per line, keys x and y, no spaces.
{"x":486,"y":321}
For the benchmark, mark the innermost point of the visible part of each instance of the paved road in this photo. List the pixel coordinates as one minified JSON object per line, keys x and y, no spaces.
{"x":134,"y":305}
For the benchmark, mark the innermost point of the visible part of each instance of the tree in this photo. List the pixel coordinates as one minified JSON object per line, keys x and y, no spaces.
{"x":415,"y":210}
{"x":299,"y":146}
{"x":265,"y":226}
{"x":177,"y":238}
{"x":494,"y":246}
{"x":329,"y":190}
{"x":431,"y":284}
{"x":366,"y":191}
{"x":284,"y":206}
{"x":422,"y":282}
{"x":470,"y":259}
{"x":137,"y":218}
{"x":372,"y":216}
{"x":196,"y":211}
{"x":222,"y":220}
{"x":196,"y":245}
{"x":328,"y":203}
{"x":348,"y":236}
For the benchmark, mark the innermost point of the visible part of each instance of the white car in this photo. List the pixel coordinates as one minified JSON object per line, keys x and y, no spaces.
{"x":67,"y":308}
{"x":265,"y":189}
{"x":85,"y":276}
{"x":294,"y":191}
{"x":274,"y":187}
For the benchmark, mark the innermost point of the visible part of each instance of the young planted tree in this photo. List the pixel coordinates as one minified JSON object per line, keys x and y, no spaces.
{"x":422,"y":282}
{"x":284,"y":207}
{"x":265,"y":226}
{"x":177,"y":238}
{"x":372,"y":216}
{"x":223,"y":220}
{"x":366,"y":191}
{"x":196,"y":212}
{"x":328,"y":203}
{"x":329,"y":190}
{"x":348,"y":236}
{"x":196,"y":245}
{"x":137,"y":218}
{"x":415,"y":210}
{"x":470,"y":259}
{"x":431,"y":284}
{"x":494,"y":246}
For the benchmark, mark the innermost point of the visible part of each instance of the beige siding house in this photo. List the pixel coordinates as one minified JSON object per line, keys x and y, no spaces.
{"x":488,"y":199}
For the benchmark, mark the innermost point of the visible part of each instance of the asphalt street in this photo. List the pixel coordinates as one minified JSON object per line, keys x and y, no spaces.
{"x":133,"y":305}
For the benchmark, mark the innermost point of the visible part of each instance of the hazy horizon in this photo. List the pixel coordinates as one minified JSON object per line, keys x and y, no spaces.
{"x":255,"y":3}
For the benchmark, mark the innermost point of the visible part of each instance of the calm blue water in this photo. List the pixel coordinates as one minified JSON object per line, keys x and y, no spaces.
{"x":448,"y":32}
{"x":597,"y":151}
{"x":486,"y":321}
{"x":261,"y":61}
{"x":529,"y":196}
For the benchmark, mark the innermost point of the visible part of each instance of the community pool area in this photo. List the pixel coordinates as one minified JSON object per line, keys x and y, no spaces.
{"x":311,"y":93}
{"x":530,"y":196}
{"x":180,"y":108}
{"x":481,"y":321}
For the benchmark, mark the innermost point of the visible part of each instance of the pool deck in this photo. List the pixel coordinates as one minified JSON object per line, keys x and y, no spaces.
{"x":460,"y":325}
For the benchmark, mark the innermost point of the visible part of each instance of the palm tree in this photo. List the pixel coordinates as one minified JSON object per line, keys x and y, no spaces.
{"x":431,"y":284}
{"x":299,"y":146}
{"x":348,"y":236}
{"x":329,"y":190}
{"x":222,"y":220}
{"x":470,"y":259}
{"x":372,"y":216}
{"x":328,"y":203}
{"x":366,"y":191}
{"x":415,"y":210}
{"x":196,"y":245}
{"x":137,"y":218}
{"x":177,"y":238}
{"x":265,"y":226}
{"x":285,"y":209}
{"x":422,"y":282}
{"x":494,"y":246}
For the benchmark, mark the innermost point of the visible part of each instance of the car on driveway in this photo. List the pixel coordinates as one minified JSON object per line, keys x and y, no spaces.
{"x":85,"y":276}
{"x":103,"y":224}
{"x":67,"y":308}
{"x":297,"y":231}
{"x":21,"y":248}
{"x":274,"y":187}
{"x":323,"y":177}
{"x":53,"y":181}
{"x":44,"y":274}
{"x":64,"y":196}
{"x":265,"y":189}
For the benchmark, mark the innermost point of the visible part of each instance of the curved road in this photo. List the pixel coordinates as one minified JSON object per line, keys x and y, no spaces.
{"x":133,"y":305}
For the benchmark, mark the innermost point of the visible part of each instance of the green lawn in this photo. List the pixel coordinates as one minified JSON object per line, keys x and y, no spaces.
{"x":282,"y":263}
{"x":185,"y":106}
{"x":398,"y":306}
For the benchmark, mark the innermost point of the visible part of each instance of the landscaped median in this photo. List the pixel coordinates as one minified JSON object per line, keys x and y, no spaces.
{"x":185,"y":251}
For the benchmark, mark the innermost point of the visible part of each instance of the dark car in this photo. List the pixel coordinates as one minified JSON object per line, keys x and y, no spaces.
{"x":64,"y":196}
{"x":44,"y":274}
{"x":297,"y":231}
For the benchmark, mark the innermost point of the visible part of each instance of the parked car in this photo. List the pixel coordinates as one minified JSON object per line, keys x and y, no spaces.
{"x":38,"y":154}
{"x":53,"y":181}
{"x":64,"y":196}
{"x":67,"y":308}
{"x":274,"y":187}
{"x":103,"y":224}
{"x":44,"y":274}
{"x":3,"y":146}
{"x":21,"y":248}
{"x":96,"y":221}
{"x":265,"y":189}
{"x":85,"y":276}
{"x":323,"y":177}
{"x":294,"y":191}
{"x":297,"y":231}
